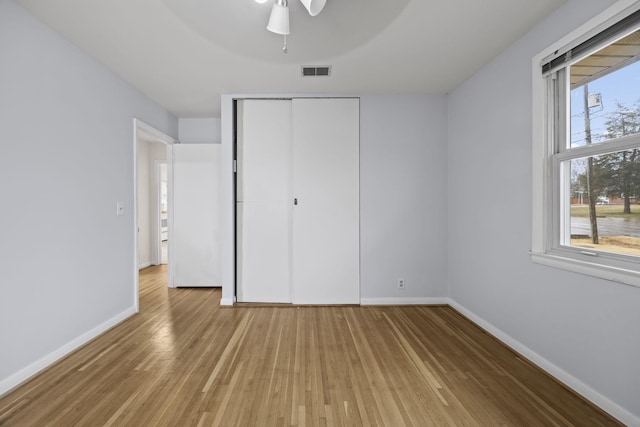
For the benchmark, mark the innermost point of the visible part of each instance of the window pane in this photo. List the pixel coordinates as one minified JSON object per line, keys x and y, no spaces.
{"x":605,"y":93}
{"x":614,"y":181}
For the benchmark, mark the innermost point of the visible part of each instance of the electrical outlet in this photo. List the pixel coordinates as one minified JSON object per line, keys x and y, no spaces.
{"x":400,"y":283}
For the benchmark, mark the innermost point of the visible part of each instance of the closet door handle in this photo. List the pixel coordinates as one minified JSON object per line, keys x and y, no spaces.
{"x":295,"y":201}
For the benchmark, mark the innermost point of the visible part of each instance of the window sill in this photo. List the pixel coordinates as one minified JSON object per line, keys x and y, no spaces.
{"x":614,"y":274}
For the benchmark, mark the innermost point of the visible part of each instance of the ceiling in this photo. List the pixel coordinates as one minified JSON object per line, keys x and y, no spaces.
{"x":184,"y":54}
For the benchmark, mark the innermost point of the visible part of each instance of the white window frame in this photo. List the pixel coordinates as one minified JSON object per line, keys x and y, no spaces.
{"x":545,"y":241}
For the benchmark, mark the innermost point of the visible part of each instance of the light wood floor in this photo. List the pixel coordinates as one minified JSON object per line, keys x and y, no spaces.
{"x":186,"y":361}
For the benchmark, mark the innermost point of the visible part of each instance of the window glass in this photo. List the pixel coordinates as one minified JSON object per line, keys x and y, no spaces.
{"x":614,"y":181}
{"x":605,"y":93}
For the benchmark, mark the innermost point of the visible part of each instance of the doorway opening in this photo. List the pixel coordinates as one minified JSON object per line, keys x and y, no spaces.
{"x":162,"y":241}
{"x":153,"y":196}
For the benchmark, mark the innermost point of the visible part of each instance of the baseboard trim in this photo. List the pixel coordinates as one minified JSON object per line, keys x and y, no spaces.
{"x":404,"y":301}
{"x":226,"y":302}
{"x":17,"y":379}
{"x":564,"y":377}
{"x":197,"y":285}
{"x":144,"y":265}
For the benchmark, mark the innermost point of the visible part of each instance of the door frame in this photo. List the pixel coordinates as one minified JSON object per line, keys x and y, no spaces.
{"x":227,"y":182}
{"x":144,"y":132}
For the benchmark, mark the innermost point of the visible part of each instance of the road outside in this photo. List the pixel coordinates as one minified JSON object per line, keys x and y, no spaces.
{"x":607,"y":226}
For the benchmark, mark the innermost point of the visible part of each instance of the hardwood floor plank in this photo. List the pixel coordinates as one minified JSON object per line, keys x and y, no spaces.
{"x":184,"y":360}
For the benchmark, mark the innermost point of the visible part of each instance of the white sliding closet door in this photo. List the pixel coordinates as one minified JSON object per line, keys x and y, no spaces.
{"x":326,"y":230}
{"x":263,"y":209}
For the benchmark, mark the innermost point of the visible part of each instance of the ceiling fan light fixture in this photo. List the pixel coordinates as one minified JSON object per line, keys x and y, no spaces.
{"x":314,"y":7}
{"x":279,"y":18}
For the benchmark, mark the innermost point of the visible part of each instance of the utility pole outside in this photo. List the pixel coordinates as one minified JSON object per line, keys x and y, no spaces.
{"x":592,"y":196}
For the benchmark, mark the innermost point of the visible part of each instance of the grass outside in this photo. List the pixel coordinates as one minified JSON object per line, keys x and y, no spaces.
{"x":619,"y":244}
{"x":582,"y":211}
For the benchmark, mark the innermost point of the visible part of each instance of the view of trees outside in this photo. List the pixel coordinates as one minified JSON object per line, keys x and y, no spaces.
{"x":605,"y":189}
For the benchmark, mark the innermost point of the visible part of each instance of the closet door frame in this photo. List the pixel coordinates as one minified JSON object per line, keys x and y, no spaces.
{"x":228,"y":122}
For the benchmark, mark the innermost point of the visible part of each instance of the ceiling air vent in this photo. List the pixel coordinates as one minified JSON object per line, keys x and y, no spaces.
{"x":316,"y":71}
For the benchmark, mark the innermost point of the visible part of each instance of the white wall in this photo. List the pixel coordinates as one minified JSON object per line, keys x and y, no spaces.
{"x":584,"y":329}
{"x":402,"y":198}
{"x":67,"y":157}
{"x":199,"y":130}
